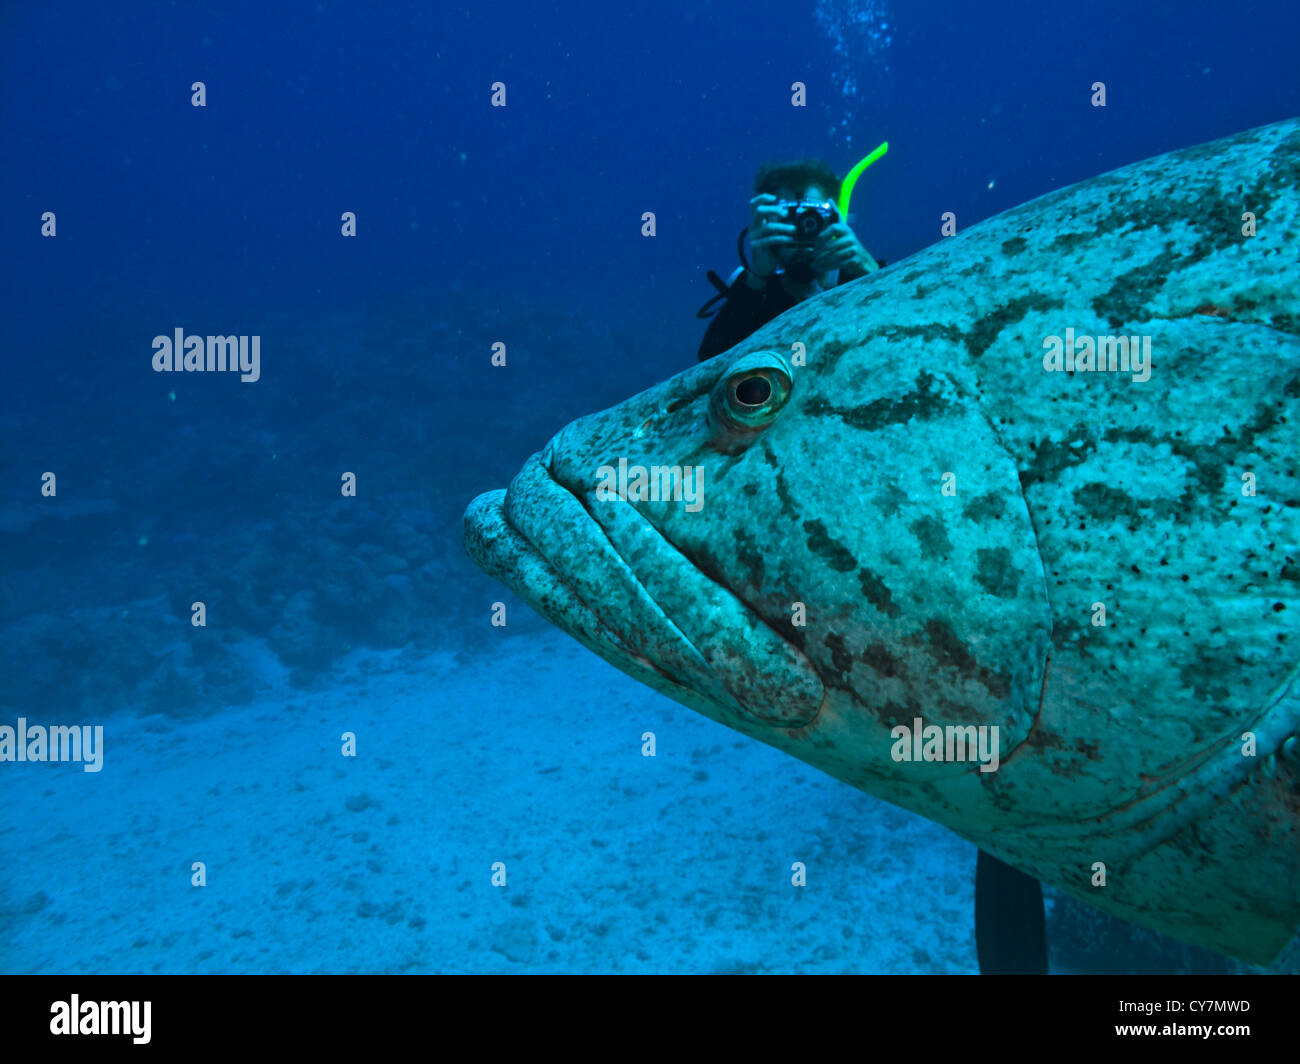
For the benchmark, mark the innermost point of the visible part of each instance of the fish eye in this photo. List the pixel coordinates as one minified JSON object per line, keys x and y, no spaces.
{"x":755,"y":395}
{"x":751,"y":395}
{"x":752,"y":391}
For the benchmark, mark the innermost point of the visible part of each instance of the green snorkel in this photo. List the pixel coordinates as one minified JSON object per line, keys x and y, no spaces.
{"x":851,"y":179}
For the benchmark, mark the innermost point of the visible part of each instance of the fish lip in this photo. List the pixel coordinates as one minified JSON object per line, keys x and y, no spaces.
{"x":502,"y":551}
{"x":541,"y":538}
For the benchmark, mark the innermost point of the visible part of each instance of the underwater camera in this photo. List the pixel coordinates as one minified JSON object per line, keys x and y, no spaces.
{"x":809,"y":218}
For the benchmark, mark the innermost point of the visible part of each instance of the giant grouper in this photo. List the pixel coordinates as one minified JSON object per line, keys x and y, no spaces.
{"x":1007,"y":534}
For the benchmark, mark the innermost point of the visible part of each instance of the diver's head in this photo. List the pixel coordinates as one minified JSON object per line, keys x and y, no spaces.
{"x":798,"y":179}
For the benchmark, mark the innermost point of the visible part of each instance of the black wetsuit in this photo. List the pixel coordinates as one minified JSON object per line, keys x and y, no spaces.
{"x":745,"y":310}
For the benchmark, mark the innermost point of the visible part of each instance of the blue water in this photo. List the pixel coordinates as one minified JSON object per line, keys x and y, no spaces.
{"x":328,"y":614}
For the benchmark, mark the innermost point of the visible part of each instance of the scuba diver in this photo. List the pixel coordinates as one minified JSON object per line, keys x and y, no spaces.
{"x":801,"y":244}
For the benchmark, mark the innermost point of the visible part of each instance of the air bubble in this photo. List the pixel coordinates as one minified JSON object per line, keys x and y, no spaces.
{"x":856,"y":31}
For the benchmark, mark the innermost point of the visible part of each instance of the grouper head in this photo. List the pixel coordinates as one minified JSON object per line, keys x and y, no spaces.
{"x":1035,"y":489}
{"x":639,"y":530}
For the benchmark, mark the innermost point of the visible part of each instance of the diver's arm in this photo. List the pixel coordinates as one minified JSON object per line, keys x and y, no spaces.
{"x":838,"y":247}
{"x":851,"y":271}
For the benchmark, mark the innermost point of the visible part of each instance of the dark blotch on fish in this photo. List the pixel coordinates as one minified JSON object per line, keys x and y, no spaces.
{"x":875,"y":592}
{"x":932,"y":536}
{"x":995,"y":572}
{"x":835,"y":554}
{"x":922,"y":402}
{"x":951,"y":651}
{"x":981,"y":335}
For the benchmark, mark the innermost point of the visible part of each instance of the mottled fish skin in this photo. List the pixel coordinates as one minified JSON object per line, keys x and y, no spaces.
{"x":1120,"y":743}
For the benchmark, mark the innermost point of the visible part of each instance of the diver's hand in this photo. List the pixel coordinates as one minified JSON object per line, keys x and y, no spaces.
{"x":769,"y":234}
{"x":838,"y":248}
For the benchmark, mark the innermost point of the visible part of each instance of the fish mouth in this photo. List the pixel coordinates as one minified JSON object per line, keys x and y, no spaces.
{"x":602,"y":572}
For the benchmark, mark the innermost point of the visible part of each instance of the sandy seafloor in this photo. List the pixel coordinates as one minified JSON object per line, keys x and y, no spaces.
{"x":527,"y":754}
